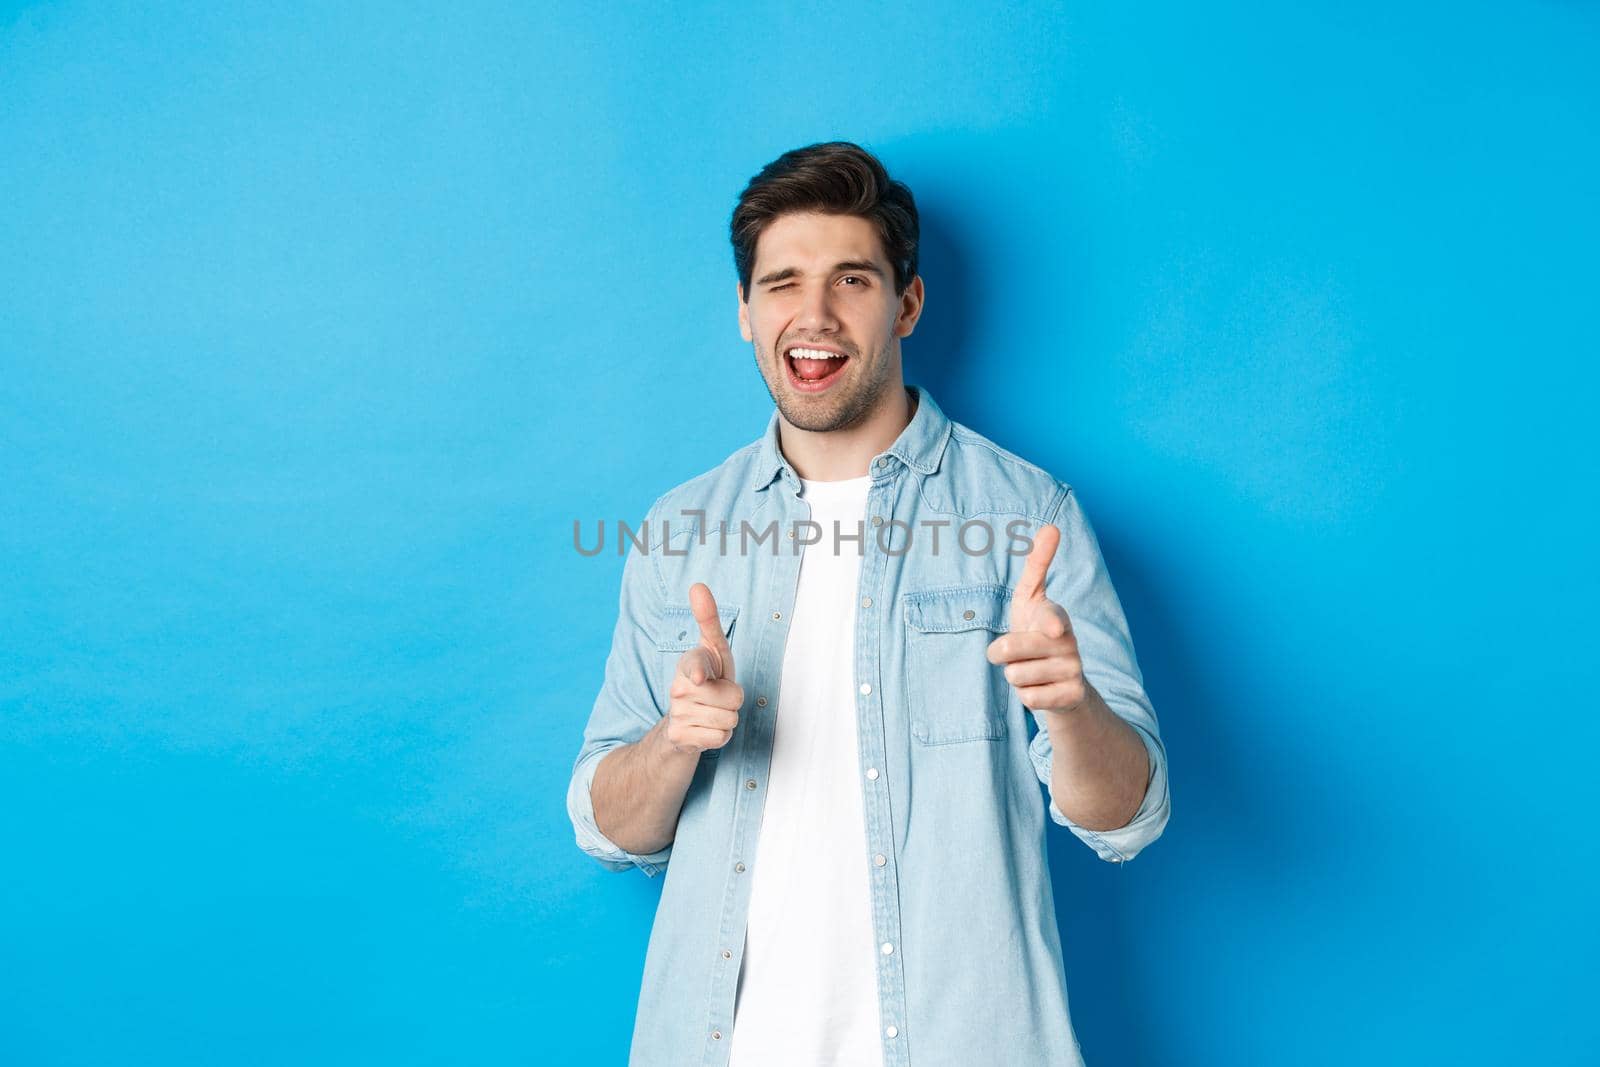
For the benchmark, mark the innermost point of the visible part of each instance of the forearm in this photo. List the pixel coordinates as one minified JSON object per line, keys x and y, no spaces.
{"x":1099,"y":766}
{"x":638,"y":791}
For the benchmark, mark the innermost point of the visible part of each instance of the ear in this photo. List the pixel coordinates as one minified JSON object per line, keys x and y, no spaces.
{"x":910,"y":308}
{"x":744,"y":313}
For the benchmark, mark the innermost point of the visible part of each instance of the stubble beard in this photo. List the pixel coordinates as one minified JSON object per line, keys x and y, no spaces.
{"x":845,"y":405}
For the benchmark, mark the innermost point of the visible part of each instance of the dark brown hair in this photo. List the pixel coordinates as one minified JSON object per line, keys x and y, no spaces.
{"x":835,"y":178}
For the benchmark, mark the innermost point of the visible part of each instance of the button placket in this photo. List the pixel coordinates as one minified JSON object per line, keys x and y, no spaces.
{"x":765,"y":674}
{"x":755,"y":753}
{"x":872,"y":753}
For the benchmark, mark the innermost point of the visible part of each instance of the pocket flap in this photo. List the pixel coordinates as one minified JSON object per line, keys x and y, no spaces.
{"x":679,"y":631}
{"x":968,"y":607}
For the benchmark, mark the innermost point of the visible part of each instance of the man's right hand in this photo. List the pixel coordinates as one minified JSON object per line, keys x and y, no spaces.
{"x":705,"y":698}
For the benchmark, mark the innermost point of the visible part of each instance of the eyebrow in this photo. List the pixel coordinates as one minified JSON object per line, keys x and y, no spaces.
{"x":858,"y":265}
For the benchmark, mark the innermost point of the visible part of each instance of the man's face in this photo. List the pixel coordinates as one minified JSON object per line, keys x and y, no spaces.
{"x":823,"y":283}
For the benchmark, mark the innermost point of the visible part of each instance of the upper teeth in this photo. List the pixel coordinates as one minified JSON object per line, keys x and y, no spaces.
{"x":814,"y":353}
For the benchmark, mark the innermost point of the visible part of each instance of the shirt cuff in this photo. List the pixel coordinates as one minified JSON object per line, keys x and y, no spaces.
{"x":1126,"y":842}
{"x":580,"y":808}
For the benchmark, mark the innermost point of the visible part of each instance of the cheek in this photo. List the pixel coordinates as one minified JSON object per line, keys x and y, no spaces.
{"x":770,"y":339}
{"x":761,"y":330}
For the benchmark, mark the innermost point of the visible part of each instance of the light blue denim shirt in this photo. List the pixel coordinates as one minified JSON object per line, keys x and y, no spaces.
{"x":954,"y":771}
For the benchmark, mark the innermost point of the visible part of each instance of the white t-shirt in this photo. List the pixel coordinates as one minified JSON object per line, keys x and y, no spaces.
{"x":808,"y":990}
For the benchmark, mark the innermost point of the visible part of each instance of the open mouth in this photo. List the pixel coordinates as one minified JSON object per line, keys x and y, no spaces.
{"x":812,"y":370}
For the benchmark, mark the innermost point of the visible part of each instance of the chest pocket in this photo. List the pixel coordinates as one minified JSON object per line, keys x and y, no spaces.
{"x":676,"y":633}
{"x":955,"y":693}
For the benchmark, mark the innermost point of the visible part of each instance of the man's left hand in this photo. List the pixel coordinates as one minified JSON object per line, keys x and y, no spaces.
{"x":1040,"y":653}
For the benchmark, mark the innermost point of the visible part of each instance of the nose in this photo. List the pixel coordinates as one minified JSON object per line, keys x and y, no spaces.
{"x":816,"y":313}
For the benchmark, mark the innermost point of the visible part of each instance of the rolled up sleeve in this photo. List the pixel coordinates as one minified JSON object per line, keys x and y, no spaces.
{"x":581,"y":809}
{"x":630,"y":702}
{"x":1079,"y":582}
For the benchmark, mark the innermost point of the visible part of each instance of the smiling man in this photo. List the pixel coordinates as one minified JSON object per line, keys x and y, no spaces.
{"x":839,"y":680}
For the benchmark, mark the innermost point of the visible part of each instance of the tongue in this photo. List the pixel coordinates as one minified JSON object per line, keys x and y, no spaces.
{"x":813,"y":369}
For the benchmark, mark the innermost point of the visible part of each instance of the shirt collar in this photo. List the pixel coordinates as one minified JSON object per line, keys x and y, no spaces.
{"x":920,"y":445}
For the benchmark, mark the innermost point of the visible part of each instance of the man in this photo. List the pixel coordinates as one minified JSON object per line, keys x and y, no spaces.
{"x":816,"y":709}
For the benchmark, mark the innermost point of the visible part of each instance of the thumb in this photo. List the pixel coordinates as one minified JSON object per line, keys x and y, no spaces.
{"x":704,"y":606}
{"x":1027,"y":596}
{"x":1031,"y":585}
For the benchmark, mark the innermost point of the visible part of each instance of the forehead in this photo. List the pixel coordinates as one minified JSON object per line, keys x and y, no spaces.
{"x":801,"y":239}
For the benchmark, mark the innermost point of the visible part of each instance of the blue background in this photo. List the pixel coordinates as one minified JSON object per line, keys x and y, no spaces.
{"x":321,"y":325}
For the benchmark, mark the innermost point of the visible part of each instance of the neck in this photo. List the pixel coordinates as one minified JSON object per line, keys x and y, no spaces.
{"x":835,"y":455}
